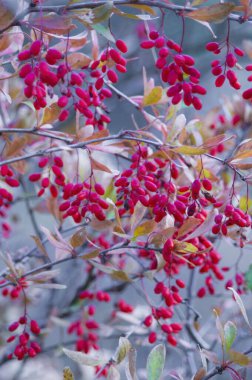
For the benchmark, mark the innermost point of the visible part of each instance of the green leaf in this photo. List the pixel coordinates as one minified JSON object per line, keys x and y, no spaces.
{"x":248,"y":278}
{"x":104,"y":31}
{"x":230,"y":332}
{"x":155,"y":362}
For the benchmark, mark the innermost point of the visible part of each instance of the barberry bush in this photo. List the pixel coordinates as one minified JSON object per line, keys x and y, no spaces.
{"x":130,"y":233}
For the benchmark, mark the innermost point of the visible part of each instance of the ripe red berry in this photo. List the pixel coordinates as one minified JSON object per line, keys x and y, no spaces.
{"x":121,"y":45}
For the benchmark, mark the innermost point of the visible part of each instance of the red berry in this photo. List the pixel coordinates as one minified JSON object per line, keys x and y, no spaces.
{"x":121,"y":45}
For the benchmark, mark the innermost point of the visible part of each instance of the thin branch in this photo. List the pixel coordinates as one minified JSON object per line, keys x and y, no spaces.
{"x":37,"y":132}
{"x":62,"y":9}
{"x":79,"y":145}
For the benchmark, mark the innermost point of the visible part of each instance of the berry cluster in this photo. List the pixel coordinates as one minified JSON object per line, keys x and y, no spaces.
{"x":223,"y":70}
{"x":24,"y":346}
{"x":177,"y":69}
{"x":232,"y":216}
{"x":84,"y":90}
{"x":52,"y":177}
{"x":7,"y":176}
{"x":86,"y":200}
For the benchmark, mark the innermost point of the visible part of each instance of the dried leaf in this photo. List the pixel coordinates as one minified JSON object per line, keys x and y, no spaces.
{"x":122,"y":350}
{"x":7,"y":13}
{"x":67,"y":374}
{"x":78,"y":60}
{"x":51,"y":114}
{"x":241,"y":305}
{"x":144,"y":8}
{"x":204,"y":227}
{"x":91,"y":255}
{"x":99,"y":166}
{"x":84,"y":359}
{"x":113,"y":373}
{"x":78,"y":238}
{"x":210,"y":355}
{"x":53,"y":23}
{"x":39,"y":245}
{"x":156,"y":362}
{"x":199,"y":374}
{"x":219,"y":327}
{"x":213,"y":13}
{"x":188,"y":225}
{"x":130,"y":369}
{"x":137,"y":215}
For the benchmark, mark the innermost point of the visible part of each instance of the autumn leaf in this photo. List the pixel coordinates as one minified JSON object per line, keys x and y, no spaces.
{"x":212,"y":13}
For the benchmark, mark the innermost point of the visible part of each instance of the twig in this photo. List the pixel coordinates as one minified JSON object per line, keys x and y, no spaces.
{"x":62,"y":9}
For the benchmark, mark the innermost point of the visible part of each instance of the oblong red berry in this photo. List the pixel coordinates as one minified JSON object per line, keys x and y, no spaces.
{"x":121,"y":45}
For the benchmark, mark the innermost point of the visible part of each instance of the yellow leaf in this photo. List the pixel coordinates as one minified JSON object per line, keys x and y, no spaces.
{"x":190,"y":150}
{"x":67,"y":374}
{"x":120,"y":275}
{"x":212,"y":13}
{"x":40,"y":245}
{"x":239,"y":358}
{"x":199,"y":375}
{"x":184,"y":247}
{"x":144,"y":8}
{"x":153,"y":97}
{"x":144,"y":228}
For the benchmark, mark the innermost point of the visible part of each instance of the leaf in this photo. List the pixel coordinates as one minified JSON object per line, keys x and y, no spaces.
{"x":189,"y":225}
{"x":7,"y":12}
{"x":156,"y":362}
{"x":67,"y":374}
{"x":91,"y":255}
{"x":137,"y":215}
{"x":230,"y":332}
{"x":204,"y":227}
{"x":210,"y":355}
{"x":104,"y":31}
{"x":153,"y":97}
{"x":39,"y":245}
{"x":241,"y":305}
{"x":113,"y":373}
{"x":78,"y":238}
{"x":145,"y":228}
{"x":144,"y":8}
{"x":215,"y":140}
{"x":132,"y":16}
{"x":53,"y":23}
{"x":122,"y":350}
{"x":248,"y":278}
{"x":199,"y":374}
{"x":96,"y":165}
{"x":219,"y":327}
{"x":120,"y":275}
{"x":78,"y":60}
{"x":189,"y":150}
{"x":212,"y":13}
{"x":51,"y":114}
{"x":130,"y":369}
{"x":239,"y":358}
{"x":84,"y":359}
